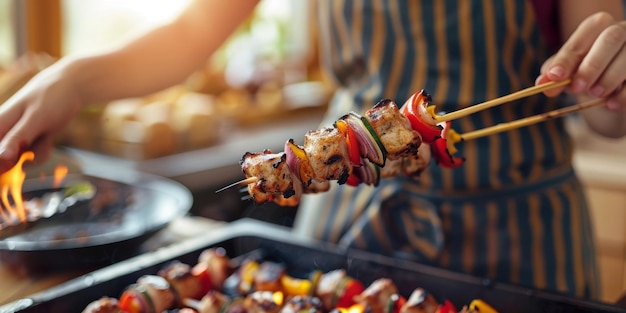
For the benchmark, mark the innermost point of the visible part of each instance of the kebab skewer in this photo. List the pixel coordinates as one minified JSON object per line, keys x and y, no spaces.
{"x":356,"y":149}
{"x":385,"y":142}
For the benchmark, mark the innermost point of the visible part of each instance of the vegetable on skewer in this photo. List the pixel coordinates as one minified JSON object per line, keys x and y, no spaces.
{"x":444,"y":150}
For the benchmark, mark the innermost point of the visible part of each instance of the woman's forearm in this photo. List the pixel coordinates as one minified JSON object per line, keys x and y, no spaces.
{"x":160,"y":58}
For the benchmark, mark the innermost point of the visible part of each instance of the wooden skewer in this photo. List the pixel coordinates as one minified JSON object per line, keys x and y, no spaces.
{"x":530,"y":120}
{"x":494,"y":102}
{"x":243,"y":182}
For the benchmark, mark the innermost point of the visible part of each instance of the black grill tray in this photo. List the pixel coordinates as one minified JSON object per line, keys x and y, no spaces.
{"x":244,"y":237}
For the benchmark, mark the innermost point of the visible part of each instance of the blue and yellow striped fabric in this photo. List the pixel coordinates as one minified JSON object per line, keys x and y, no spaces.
{"x":515,"y":211}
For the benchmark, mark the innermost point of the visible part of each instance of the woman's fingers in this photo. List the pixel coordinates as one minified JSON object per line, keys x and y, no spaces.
{"x":594,"y":57}
{"x":9,"y":144}
{"x":542,"y":79}
{"x":42,"y":147}
{"x":617,"y":101}
{"x":610,"y":52}
{"x":24,"y":131}
{"x":568,"y":59}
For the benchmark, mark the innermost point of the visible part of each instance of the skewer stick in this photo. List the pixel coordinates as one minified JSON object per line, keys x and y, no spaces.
{"x":243,"y":182}
{"x":530,"y":120}
{"x":497,"y":101}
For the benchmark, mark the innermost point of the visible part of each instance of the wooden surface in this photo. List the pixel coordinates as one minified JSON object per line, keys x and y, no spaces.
{"x":15,"y":285}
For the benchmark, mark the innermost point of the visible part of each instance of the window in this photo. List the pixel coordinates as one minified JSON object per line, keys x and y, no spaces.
{"x":8,"y":44}
{"x":92,"y":25}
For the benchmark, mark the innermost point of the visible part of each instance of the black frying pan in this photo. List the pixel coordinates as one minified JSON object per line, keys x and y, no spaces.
{"x":126,"y":209}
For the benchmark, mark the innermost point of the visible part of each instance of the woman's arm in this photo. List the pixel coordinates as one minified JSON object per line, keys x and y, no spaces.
{"x":594,"y":57}
{"x":162,"y":57}
{"x":31,"y":118}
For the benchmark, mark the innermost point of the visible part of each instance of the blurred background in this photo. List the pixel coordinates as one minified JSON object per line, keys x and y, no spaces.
{"x":262,"y":84}
{"x":263,"y":87}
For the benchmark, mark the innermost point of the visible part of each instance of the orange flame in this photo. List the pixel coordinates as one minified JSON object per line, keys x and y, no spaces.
{"x":11,"y":182}
{"x":59,"y":175}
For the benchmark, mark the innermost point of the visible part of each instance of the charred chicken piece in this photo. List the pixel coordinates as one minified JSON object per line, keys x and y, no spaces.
{"x":212,"y":302}
{"x":328,"y":155}
{"x":411,"y":166}
{"x":268,"y":277}
{"x":393,"y":129}
{"x":337,"y":290}
{"x":213,"y":267}
{"x":185,"y":282}
{"x":420,"y":301}
{"x":263,"y":302}
{"x":151,"y":293}
{"x":273,"y":173}
{"x":302,"y":304}
{"x":377,"y":296}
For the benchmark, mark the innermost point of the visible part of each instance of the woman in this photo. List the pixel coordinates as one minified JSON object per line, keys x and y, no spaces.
{"x":513,"y":212}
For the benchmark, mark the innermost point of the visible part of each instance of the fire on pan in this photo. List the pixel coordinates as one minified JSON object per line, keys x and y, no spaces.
{"x":94,"y":218}
{"x":18,"y":213}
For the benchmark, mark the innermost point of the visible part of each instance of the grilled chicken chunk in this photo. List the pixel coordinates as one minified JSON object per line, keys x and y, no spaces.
{"x":212,"y":302}
{"x":328,"y":155}
{"x":303,"y":304}
{"x":420,"y":301}
{"x":377,"y":295}
{"x":179,"y":276}
{"x":393,"y":129}
{"x":218,"y":265}
{"x":273,"y":173}
{"x":411,"y":166}
{"x":414,"y":165}
{"x":262,"y":302}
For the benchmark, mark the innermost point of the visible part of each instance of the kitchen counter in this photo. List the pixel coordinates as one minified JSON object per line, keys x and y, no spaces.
{"x":598,"y":160}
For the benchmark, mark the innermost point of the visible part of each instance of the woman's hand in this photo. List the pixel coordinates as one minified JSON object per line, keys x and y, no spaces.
{"x":31,"y":118}
{"x":594,"y":57}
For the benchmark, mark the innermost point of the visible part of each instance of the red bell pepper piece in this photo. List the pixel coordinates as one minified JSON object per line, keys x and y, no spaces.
{"x":351,"y":288}
{"x":446,"y":307}
{"x":201,"y":272}
{"x":351,"y":141}
{"x":135,"y":299}
{"x":420,"y":113}
{"x":443,"y":149}
{"x":353,"y":180}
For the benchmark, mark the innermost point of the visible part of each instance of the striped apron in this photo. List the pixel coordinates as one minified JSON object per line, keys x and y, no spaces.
{"x":515,"y":211}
